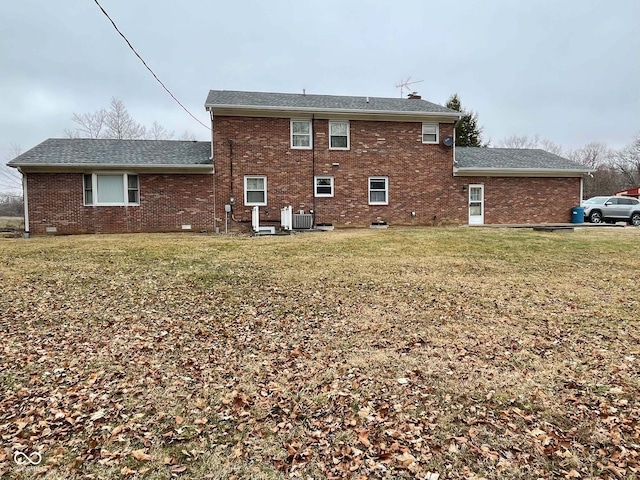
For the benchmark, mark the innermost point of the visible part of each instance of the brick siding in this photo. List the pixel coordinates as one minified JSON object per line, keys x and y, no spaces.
{"x":420,"y":177}
{"x":167,"y":201}
{"x":420,"y":180}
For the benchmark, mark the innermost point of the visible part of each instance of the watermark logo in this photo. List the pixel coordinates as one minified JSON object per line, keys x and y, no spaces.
{"x":23,"y":459}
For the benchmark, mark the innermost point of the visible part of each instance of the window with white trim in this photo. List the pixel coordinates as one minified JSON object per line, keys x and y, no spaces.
{"x":430,"y":132}
{"x":378,"y":190}
{"x":324,"y":186}
{"x":338,"y":135}
{"x":111,"y":189}
{"x":255,"y":191}
{"x":301,"y":134}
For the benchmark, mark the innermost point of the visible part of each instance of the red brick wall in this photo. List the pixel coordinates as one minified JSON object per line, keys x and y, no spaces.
{"x":420,"y":180}
{"x":420,"y":176}
{"x":510,"y":200}
{"x":167,"y":201}
{"x":261,"y":146}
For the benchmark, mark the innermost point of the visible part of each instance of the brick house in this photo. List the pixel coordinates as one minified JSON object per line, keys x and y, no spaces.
{"x":345,"y":161}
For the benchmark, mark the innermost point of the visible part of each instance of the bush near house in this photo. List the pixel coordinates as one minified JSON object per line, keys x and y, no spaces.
{"x":453,"y":352}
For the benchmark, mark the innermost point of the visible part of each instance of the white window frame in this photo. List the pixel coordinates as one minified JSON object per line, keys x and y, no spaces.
{"x":334,"y":122}
{"x":255,"y":204}
{"x":386,"y":190}
{"x":437,"y":132}
{"x":315,"y":186}
{"x":94,"y":190}
{"x":297,"y":120}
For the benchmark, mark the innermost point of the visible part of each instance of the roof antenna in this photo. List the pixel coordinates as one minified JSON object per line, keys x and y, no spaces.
{"x":405,"y":84}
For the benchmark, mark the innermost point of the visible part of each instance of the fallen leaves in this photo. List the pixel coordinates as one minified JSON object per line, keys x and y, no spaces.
{"x":141,"y":455}
{"x":301,"y":371}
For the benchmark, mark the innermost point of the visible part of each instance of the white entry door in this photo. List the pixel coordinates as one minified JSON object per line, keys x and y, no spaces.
{"x":476,"y":204}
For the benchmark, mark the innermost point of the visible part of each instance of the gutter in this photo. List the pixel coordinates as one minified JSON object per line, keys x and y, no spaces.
{"x":113,"y":166}
{"x":517,"y":172}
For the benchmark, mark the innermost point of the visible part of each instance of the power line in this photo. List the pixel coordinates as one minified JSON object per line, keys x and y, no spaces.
{"x":147,"y":66}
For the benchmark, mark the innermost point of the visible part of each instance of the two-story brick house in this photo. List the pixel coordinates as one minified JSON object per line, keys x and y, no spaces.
{"x":359,"y":160}
{"x":350,"y":161}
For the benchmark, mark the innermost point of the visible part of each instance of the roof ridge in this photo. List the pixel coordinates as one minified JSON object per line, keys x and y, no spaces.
{"x":307,"y":94}
{"x":238,"y":100}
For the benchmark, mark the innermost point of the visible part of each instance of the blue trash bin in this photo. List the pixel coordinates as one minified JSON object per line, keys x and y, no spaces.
{"x":577,"y":215}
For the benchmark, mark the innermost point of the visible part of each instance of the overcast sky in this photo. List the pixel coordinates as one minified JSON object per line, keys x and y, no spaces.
{"x":567,"y":70}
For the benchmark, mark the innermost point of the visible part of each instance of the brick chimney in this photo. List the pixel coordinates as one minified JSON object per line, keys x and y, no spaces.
{"x":414,"y":96}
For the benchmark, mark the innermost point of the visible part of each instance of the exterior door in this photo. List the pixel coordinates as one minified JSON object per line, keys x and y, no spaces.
{"x":476,"y":204}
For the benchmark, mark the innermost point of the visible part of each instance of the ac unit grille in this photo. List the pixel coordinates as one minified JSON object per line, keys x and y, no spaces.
{"x":302,"y":221}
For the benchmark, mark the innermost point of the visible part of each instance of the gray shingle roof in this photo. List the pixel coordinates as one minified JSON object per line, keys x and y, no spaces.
{"x":111,"y":152}
{"x":513,"y":158}
{"x":308,"y":102}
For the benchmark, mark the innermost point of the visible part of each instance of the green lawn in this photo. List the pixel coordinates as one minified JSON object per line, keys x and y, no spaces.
{"x":400,"y":353}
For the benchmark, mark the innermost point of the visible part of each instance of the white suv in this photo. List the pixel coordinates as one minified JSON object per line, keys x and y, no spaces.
{"x":612,"y":209}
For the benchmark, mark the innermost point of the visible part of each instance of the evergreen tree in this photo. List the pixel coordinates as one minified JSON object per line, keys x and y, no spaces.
{"x":468,"y":134}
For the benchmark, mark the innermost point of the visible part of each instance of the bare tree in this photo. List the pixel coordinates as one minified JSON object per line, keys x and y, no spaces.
{"x":158,"y":132}
{"x":593,"y":154}
{"x":11,"y":205}
{"x":627,"y":162}
{"x":119,"y":124}
{"x":605,"y":179}
{"x":520,"y":141}
{"x":89,"y":125}
{"x":114,"y":122}
{"x":524,"y":141}
{"x":551,"y":147}
{"x":9,"y":177}
{"x":188,"y":136}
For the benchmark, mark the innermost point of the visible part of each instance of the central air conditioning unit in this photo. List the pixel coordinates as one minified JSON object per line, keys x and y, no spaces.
{"x":302,"y":221}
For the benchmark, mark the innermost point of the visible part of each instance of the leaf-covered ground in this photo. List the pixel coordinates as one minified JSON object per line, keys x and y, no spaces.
{"x":427,"y":353}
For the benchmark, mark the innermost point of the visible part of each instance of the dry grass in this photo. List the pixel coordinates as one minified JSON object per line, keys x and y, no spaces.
{"x":359,"y":354}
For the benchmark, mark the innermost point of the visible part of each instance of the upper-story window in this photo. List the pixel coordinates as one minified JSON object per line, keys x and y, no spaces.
{"x":430,"y":132}
{"x":338,"y":135}
{"x":301,"y":134}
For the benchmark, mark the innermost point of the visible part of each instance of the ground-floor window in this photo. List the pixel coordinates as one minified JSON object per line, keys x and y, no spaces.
{"x":111,"y":189}
{"x":255,"y":190}
{"x":378,"y":190}
{"x":324,"y":186}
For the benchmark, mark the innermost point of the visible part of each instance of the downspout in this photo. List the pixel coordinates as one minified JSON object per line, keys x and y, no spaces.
{"x":231,"y":143}
{"x":25,"y":203}
{"x":454,"y":144}
{"x":313,"y":168}
{"x":466,"y":201}
{"x":213,"y":178}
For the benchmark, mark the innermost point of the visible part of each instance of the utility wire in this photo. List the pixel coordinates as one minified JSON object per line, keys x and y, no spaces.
{"x":147,"y":66}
